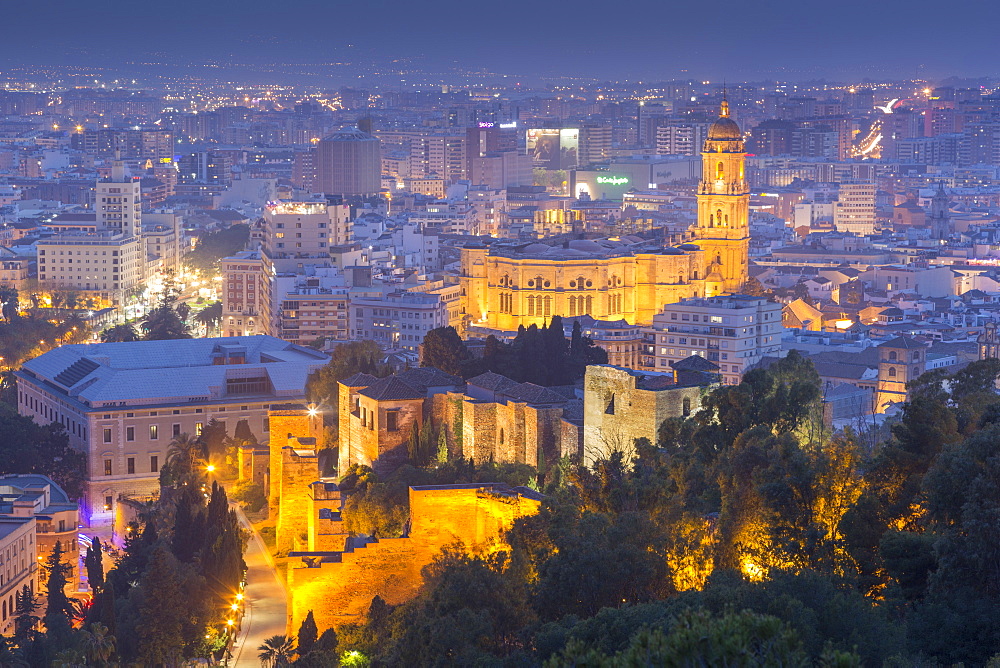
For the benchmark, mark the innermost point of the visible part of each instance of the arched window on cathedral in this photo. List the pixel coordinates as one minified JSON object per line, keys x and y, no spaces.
{"x":572,"y":306}
{"x":711,"y":220}
{"x":892,"y":355}
{"x":590,"y":304}
{"x":548,"y":305}
{"x":718,"y":216}
{"x":719,"y":171}
{"x":892,"y":372}
{"x":531,"y":305}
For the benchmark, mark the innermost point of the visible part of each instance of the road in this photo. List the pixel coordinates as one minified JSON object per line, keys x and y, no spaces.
{"x":266,"y":601}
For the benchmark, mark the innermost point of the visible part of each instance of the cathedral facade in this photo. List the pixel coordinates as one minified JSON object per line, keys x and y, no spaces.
{"x":508,"y":285}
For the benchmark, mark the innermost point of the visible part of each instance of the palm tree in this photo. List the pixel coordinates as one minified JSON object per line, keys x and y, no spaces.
{"x":98,"y":646}
{"x":276,"y":652}
{"x":183,"y":453}
{"x":119,"y":333}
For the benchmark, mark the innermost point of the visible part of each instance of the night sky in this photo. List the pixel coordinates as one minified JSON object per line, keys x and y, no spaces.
{"x":643,"y":39}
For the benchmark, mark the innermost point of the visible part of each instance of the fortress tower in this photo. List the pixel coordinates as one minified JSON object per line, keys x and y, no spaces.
{"x":723,"y":227}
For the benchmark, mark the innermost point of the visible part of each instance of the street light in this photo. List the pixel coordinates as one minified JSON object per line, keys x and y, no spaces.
{"x":210,"y":468}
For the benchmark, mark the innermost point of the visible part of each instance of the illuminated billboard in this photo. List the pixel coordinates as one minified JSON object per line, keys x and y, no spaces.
{"x":553,"y":149}
{"x":569,"y":148}
{"x":543,"y":147}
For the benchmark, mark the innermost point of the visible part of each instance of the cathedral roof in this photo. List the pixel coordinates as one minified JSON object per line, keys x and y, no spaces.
{"x":724,"y":129}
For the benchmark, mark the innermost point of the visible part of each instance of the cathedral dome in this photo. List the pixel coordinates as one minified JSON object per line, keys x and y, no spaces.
{"x":724,"y":129}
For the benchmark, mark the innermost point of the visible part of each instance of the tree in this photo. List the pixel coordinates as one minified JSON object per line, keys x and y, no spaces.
{"x":276,"y":651}
{"x":308,"y":635}
{"x":214,"y":246}
{"x":119,"y":334}
{"x":9,"y":302}
{"x":98,"y":644}
{"x":801,"y":291}
{"x":27,"y":447}
{"x":166,"y":320}
{"x":210,"y":316}
{"x":698,"y":639}
{"x":25,"y":620}
{"x":162,"y":612}
{"x":93,"y":562}
{"x":213,"y":439}
{"x":444,"y":349}
{"x":183,"y":455}
{"x":59,"y":608}
{"x":754,"y":288}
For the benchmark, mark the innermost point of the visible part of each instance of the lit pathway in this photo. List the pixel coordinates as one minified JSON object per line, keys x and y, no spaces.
{"x":266,"y":602}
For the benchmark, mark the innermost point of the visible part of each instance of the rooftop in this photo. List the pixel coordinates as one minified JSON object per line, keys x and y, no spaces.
{"x":151,"y":372}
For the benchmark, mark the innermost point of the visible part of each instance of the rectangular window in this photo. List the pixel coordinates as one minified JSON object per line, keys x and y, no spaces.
{"x":391,"y":421}
{"x":107,"y":467}
{"x":107,"y":503}
{"x":154,"y":432}
{"x":176,"y":431}
{"x":130,"y":465}
{"x":197,"y":429}
{"x":129,"y":433}
{"x":154,"y":463}
{"x":107,"y":435}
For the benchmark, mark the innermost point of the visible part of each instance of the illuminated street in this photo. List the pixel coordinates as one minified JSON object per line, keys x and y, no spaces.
{"x":266,"y":604}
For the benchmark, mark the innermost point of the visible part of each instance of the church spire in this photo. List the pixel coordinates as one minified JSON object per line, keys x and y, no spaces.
{"x":724,"y":106}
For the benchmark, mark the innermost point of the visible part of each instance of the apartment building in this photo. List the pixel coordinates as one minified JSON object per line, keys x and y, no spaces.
{"x":732,"y":331}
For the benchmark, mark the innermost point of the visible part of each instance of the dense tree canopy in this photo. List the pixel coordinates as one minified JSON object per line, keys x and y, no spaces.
{"x":747,"y":530}
{"x":214,"y":246}
{"x":536,"y":355}
{"x":28,"y":447}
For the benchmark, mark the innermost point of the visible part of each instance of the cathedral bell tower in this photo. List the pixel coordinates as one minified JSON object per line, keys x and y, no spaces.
{"x":723,"y":227}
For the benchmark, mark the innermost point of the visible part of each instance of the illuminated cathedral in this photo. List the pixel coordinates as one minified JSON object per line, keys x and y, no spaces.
{"x":628,"y":278}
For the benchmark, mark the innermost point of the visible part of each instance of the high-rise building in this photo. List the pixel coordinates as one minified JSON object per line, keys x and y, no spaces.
{"x":488,"y":137}
{"x":108,"y":259}
{"x":153,"y":143}
{"x":348,"y":162}
{"x":119,"y":202}
{"x":209,"y":167}
{"x":680,"y":137}
{"x":595,"y":143}
{"x":301,"y":233}
{"x":246,"y":294}
{"x":854,"y":211}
